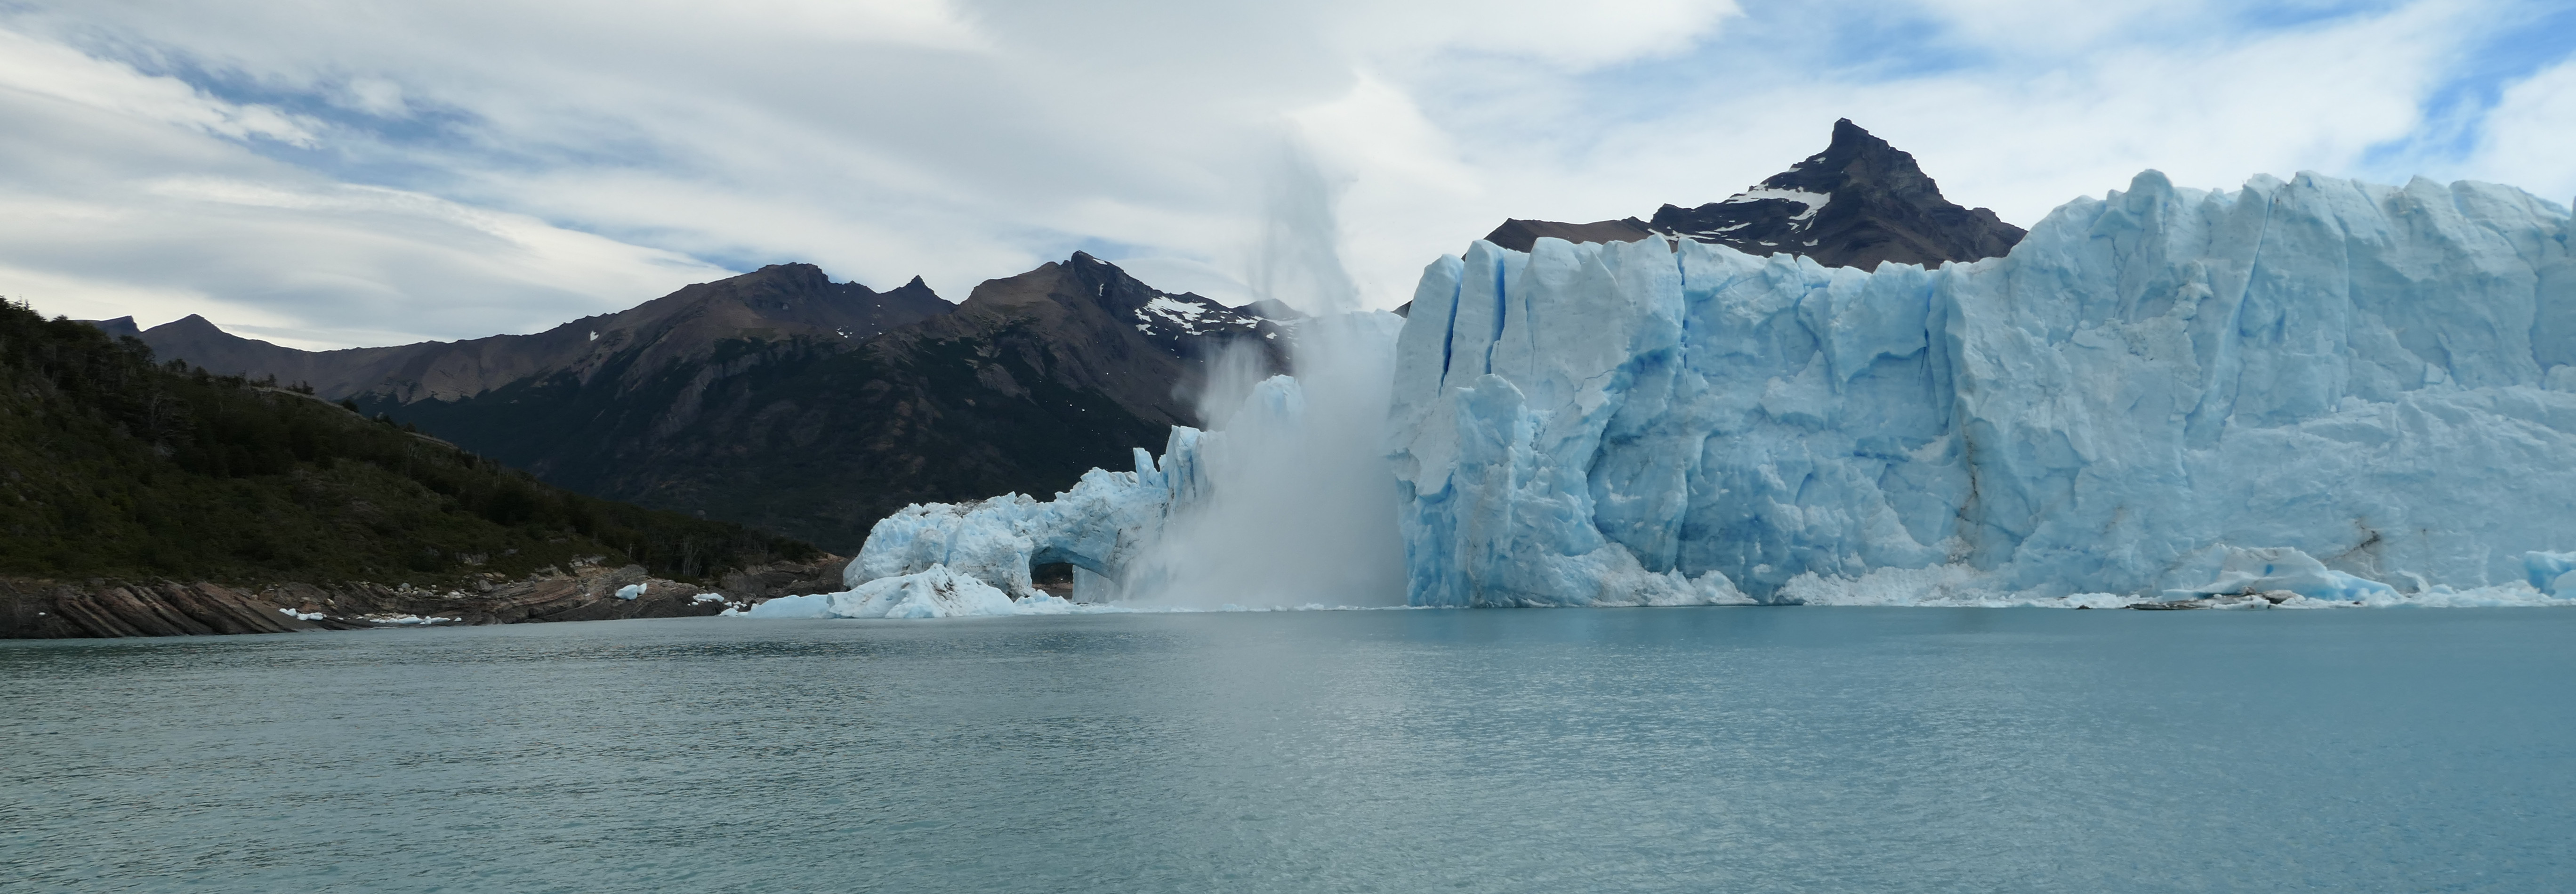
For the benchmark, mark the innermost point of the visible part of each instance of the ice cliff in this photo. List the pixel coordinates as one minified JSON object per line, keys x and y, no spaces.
{"x":2343,"y":390}
{"x":1101,"y":527}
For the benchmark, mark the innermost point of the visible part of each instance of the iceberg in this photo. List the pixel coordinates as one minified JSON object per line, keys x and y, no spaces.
{"x":2343,"y":390}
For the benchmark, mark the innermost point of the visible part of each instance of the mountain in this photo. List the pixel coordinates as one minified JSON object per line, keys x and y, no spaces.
{"x":791,"y":403}
{"x":113,"y":466}
{"x":778,"y":302}
{"x":1859,"y":203}
{"x":1031,"y":381}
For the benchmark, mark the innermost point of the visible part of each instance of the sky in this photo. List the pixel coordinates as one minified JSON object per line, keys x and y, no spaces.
{"x":335,"y":173}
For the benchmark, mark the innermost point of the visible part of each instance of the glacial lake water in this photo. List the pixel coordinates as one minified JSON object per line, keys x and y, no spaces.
{"x":1727,"y":749}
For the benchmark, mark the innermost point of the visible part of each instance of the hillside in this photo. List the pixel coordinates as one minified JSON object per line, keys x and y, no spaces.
{"x":114,"y":466}
{"x":1033,"y":380}
{"x":784,"y":401}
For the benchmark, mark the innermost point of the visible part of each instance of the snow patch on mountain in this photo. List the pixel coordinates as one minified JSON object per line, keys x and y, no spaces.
{"x":1814,"y":201}
{"x":1166,"y":313}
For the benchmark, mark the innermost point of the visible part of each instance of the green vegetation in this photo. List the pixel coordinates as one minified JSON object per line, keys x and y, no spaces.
{"x":112,"y":465}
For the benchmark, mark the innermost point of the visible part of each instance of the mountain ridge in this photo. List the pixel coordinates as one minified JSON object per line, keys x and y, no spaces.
{"x":755,"y":399}
{"x":1030,"y":382}
{"x":776,"y":301}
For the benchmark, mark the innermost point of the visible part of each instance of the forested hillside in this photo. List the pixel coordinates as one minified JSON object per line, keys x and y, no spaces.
{"x":113,"y":465}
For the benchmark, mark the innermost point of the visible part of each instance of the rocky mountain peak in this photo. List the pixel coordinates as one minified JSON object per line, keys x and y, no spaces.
{"x":1859,"y":203}
{"x":1102,"y":296}
{"x":1857,"y":159}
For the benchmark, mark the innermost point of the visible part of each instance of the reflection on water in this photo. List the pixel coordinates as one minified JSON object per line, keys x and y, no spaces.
{"x":1563,"y":750}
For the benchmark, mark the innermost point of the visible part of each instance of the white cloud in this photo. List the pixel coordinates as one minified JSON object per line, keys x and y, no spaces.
{"x":1568,"y":35}
{"x":450,"y":151}
{"x":2531,"y":136}
{"x":37,"y":71}
{"x":120,"y":194}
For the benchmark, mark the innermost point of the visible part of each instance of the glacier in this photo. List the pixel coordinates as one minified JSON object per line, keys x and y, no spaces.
{"x":2302,"y":394}
{"x":1102,"y":526}
{"x":2339,"y":391}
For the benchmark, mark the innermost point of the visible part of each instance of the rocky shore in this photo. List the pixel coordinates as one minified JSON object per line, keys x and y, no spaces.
{"x":33,"y":608}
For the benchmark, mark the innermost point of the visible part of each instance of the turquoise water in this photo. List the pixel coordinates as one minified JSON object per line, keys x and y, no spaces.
{"x":1801,"y":749}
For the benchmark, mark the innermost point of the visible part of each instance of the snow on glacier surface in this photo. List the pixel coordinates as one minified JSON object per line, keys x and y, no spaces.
{"x":2338,"y":390}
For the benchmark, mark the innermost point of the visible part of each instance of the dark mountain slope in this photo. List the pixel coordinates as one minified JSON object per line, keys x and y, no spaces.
{"x":113,"y":465}
{"x":1859,"y":203}
{"x":1519,"y":235}
{"x":1033,"y":380}
{"x":778,"y":302}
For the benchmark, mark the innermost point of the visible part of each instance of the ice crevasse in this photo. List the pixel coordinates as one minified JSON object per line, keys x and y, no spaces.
{"x":2347,"y":391}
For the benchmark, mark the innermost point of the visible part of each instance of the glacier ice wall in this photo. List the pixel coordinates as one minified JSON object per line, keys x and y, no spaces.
{"x":1289,"y":504}
{"x":2372,"y":376}
{"x":1099,"y":527}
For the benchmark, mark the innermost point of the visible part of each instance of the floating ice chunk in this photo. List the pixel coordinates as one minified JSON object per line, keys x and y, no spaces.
{"x":630,"y":591}
{"x":936,"y":592}
{"x":818,"y":605}
{"x":2548,"y":572}
{"x":409,"y":620}
{"x":2256,"y":571}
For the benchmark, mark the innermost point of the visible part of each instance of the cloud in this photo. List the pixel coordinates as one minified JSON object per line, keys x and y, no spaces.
{"x":122,"y":193}
{"x":370,"y":169}
{"x":2531,"y":134}
{"x":43,"y":72}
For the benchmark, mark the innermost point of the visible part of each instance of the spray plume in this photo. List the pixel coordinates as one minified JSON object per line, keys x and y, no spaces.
{"x":1300,"y":505}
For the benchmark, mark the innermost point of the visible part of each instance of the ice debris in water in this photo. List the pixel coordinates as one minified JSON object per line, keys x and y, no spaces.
{"x":408,"y":619}
{"x":2282,"y":569}
{"x":2345,"y":391}
{"x":935,"y":592}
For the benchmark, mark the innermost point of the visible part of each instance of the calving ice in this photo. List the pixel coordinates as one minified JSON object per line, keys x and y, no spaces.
{"x":2331,"y":392}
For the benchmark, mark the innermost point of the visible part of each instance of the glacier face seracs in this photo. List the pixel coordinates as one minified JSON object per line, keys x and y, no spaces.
{"x":1100,"y":527}
{"x":2370,"y":380}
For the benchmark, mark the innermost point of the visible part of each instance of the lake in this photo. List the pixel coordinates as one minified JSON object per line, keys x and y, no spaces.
{"x":1697,"y":749}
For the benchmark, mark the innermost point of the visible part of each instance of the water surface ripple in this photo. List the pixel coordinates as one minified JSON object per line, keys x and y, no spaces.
{"x":1535,"y":750}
